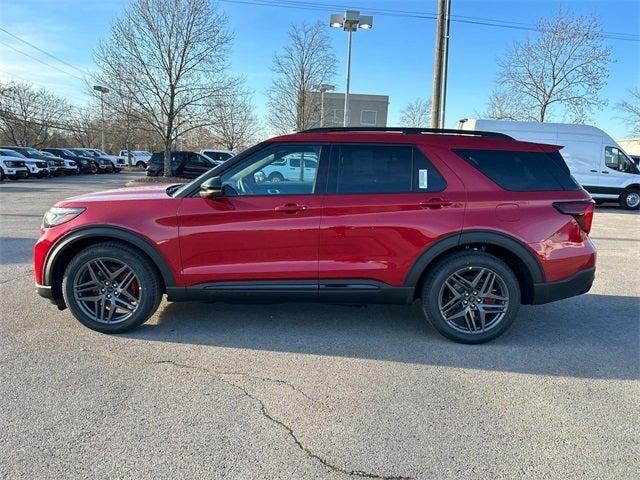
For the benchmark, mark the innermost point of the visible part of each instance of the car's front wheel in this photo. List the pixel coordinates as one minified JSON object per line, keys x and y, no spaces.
{"x":111,"y":287}
{"x":471,"y":297}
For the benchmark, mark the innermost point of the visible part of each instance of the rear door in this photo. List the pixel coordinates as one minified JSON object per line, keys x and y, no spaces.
{"x":385,"y":204}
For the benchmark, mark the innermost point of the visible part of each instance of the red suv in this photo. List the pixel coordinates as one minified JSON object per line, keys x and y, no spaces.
{"x":471,"y":223}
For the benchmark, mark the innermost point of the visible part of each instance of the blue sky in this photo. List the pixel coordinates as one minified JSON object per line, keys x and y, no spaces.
{"x":395,"y":58}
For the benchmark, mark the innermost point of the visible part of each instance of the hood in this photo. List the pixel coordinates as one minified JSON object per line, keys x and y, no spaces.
{"x":153,"y":192}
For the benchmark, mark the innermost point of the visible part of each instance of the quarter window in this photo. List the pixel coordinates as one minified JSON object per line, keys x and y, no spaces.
{"x":522,"y":171}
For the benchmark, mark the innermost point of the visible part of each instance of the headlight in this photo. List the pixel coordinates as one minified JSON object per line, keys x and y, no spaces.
{"x":11,"y":164}
{"x":57,"y":216}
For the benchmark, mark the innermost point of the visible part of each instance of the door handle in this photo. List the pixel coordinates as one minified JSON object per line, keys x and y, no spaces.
{"x":593,"y":171}
{"x":290,"y":208}
{"x":435,"y":203}
{"x":604,"y":171}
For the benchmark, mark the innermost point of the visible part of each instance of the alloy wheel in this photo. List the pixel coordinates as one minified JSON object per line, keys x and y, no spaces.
{"x":473,"y":300}
{"x":633,"y":199}
{"x":107,"y":290}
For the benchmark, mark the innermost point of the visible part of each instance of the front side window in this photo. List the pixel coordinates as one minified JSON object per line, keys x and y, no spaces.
{"x":616,"y":159}
{"x":276,"y":170}
{"x":385,"y":169}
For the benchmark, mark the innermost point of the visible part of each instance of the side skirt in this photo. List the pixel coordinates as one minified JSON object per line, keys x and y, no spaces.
{"x":356,"y":292}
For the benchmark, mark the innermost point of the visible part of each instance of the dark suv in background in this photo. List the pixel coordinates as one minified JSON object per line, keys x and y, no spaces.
{"x":85,"y":164}
{"x":183,"y":164}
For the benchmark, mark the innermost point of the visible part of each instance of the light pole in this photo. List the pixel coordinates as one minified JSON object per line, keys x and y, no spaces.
{"x":102,"y":91}
{"x":349,"y":21}
{"x":323,"y":87}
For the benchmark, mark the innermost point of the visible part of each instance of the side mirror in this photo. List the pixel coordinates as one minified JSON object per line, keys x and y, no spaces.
{"x":211,"y":188}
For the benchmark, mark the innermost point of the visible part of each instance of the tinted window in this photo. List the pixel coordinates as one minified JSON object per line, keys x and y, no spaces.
{"x":385,"y":169}
{"x":522,"y":171}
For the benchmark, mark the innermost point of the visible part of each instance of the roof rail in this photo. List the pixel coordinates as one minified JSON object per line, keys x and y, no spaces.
{"x":410,"y":131}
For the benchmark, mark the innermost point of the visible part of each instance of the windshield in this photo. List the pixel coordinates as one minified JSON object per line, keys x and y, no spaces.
{"x":11,"y":153}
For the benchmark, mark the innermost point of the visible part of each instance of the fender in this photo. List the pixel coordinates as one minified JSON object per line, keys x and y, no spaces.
{"x":520,"y":249}
{"x":116,"y":233}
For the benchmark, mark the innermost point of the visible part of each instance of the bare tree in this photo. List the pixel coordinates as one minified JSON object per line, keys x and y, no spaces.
{"x":416,"y":114}
{"x":28,"y":116}
{"x":306,"y":62}
{"x":169,"y":58}
{"x":631,"y":109}
{"x":234,"y":123}
{"x":84,"y":126}
{"x":558,"y":72}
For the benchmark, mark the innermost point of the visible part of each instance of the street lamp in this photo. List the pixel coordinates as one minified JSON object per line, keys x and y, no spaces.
{"x":350,"y":21}
{"x":323,"y":87}
{"x":102,"y":91}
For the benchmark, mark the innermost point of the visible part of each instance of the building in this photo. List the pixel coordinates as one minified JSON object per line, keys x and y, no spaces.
{"x":364,"y":110}
{"x":630,"y":145}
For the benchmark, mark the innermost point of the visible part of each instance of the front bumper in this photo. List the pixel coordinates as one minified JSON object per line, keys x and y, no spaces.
{"x":16,"y":173}
{"x":576,"y":284}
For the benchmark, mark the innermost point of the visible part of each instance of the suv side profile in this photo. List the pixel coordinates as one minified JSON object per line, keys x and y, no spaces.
{"x":472,"y":224}
{"x":183,"y":164}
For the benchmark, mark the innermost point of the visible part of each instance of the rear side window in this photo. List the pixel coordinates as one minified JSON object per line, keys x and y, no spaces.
{"x":384,"y":169}
{"x":522,"y":171}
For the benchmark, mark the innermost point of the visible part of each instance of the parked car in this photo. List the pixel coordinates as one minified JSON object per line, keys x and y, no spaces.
{"x":36,"y":168}
{"x":71,"y":167}
{"x":218,"y":155}
{"x":596,"y":161}
{"x":104,"y":164}
{"x":11,"y":166}
{"x":183,"y":164}
{"x":289,"y":168}
{"x":139,"y":158}
{"x":471,"y":223}
{"x":85,"y":164}
{"x":56,"y":166}
{"x":118,"y":162}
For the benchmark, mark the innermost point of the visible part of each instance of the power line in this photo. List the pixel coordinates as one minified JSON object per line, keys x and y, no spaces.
{"x":43,"y":51}
{"x":325,"y":7}
{"x":40,"y":61}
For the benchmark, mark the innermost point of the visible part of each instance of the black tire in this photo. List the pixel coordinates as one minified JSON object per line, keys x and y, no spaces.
{"x":630,"y":199}
{"x":469,"y":262}
{"x":149,"y":285}
{"x":1,"y":175}
{"x":141,"y":164}
{"x":276,"y":177}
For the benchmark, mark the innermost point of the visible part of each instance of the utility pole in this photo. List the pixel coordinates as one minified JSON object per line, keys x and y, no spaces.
{"x":441,"y":60}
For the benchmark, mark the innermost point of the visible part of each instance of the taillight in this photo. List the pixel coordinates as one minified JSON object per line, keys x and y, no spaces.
{"x":581,"y":211}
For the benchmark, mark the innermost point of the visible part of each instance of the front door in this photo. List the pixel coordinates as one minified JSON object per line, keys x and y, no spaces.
{"x":259,"y":231}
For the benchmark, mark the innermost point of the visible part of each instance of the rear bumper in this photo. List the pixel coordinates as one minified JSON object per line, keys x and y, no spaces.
{"x":574,"y":285}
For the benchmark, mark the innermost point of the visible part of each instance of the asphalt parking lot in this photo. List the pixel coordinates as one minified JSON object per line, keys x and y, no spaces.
{"x":309,"y":391}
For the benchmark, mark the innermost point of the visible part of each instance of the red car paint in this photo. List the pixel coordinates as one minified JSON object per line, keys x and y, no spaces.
{"x":330,"y":236}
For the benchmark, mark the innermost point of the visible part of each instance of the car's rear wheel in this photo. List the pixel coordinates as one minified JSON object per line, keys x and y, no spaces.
{"x":630,"y":199}
{"x":141,"y":164}
{"x":471,"y":297}
{"x":111,"y":287}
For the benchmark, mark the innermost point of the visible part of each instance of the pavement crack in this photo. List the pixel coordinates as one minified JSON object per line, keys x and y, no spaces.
{"x":265,"y":413}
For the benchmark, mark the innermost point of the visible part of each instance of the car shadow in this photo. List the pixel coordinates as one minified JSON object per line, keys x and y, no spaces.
{"x":15,"y":250}
{"x":591,"y":336}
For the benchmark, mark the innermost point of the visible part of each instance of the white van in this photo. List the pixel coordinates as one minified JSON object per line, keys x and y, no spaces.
{"x":596,"y":161}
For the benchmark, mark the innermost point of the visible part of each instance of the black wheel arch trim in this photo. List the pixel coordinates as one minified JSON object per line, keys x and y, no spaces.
{"x":467,"y":237}
{"x":112,"y":232}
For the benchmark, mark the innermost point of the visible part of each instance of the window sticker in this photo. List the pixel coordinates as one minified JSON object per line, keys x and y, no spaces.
{"x":422,"y":178}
